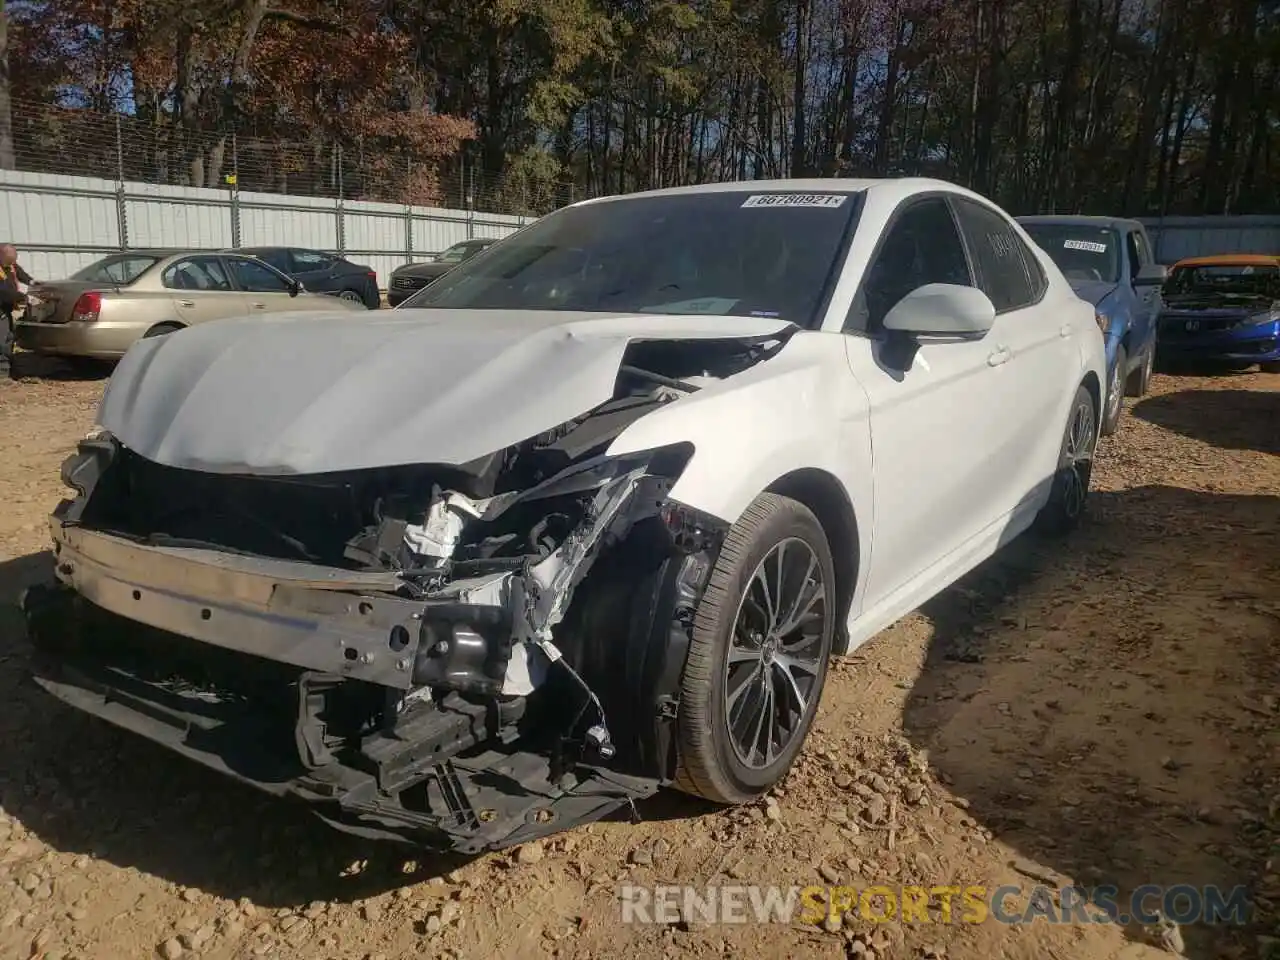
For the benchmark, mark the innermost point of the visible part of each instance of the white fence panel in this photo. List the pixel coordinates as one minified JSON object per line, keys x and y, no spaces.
{"x":61,"y":224}
{"x":1177,"y":237}
{"x":179,"y":217}
{"x":271,"y":220}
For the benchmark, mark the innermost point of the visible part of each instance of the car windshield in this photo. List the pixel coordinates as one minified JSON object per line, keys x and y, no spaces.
{"x":1081,"y":252}
{"x":1224,"y":280}
{"x":729,"y":253}
{"x":455,"y":254}
{"x":117,"y":269}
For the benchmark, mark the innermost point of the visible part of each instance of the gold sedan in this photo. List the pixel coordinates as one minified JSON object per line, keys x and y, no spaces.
{"x":100,"y":311}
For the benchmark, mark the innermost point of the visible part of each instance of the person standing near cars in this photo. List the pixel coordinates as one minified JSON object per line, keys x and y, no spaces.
{"x":11,"y":274}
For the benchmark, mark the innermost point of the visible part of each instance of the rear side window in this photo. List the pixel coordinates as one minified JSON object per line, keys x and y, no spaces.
{"x":197,"y":273}
{"x":1003,"y":262}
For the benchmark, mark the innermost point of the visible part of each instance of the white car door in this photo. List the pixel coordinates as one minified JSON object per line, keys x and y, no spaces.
{"x":1042,"y":356}
{"x":937,"y":474}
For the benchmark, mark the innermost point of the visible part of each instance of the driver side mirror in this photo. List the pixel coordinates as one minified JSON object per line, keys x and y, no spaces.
{"x":942,"y":310}
{"x":295,"y":287}
{"x":1152,"y":275}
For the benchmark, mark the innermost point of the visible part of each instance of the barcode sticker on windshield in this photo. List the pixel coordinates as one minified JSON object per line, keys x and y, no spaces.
{"x":795,"y":200}
{"x":1084,"y":245}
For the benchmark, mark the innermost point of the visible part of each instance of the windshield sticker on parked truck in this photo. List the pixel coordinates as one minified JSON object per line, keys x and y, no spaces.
{"x":829,"y":200}
{"x":1088,"y":245}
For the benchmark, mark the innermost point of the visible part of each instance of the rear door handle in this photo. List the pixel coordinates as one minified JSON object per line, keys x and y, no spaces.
{"x":1001,"y":355}
{"x":1064,"y":330}
{"x":258,"y":306}
{"x":186,"y":303}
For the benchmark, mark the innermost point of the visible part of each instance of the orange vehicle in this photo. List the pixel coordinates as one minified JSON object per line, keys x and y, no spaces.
{"x":1224,"y":307}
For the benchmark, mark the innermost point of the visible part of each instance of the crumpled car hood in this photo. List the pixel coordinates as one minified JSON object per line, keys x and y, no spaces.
{"x":305,"y":393}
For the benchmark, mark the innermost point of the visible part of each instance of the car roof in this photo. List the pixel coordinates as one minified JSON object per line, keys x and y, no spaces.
{"x":1082,"y":220}
{"x":158,"y":252}
{"x":269,"y":246}
{"x":893,"y":188}
{"x":1231,"y":259}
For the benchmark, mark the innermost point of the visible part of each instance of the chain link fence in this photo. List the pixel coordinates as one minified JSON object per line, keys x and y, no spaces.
{"x":52,"y":139}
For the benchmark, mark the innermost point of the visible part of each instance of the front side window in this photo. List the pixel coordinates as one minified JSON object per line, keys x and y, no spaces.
{"x":738,"y":253}
{"x":1000,"y":257}
{"x":1081,"y":252}
{"x":922,"y":246}
{"x":1138,"y":256}
{"x":197,"y":273}
{"x":120,"y":270}
{"x":256,"y":277}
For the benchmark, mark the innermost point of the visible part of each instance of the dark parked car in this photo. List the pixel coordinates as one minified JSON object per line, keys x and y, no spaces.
{"x":412,"y":277}
{"x":323,"y":273}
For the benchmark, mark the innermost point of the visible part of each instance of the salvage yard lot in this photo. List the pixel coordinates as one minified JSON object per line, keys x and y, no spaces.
{"x":1103,"y":710}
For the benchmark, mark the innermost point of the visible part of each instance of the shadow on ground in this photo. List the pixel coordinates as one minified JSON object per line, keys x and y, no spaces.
{"x":82,"y":786}
{"x":26,"y":365}
{"x":1106,"y":705}
{"x":1230,"y":419}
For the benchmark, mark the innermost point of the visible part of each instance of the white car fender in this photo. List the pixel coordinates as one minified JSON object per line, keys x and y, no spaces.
{"x":799,"y":410}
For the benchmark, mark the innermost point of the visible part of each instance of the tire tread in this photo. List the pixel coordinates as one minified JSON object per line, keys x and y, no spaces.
{"x":697,"y":772}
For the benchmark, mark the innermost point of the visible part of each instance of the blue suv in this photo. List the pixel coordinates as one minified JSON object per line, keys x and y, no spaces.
{"x":1108,"y":262}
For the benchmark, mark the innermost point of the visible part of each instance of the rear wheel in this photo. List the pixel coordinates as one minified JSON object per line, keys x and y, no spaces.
{"x":757,"y":663}
{"x":161,"y":329}
{"x":352,"y":296}
{"x":1070,"y":488}
{"x":1113,"y":401}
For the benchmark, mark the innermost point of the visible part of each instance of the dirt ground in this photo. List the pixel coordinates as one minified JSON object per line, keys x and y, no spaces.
{"x":1103,"y":710}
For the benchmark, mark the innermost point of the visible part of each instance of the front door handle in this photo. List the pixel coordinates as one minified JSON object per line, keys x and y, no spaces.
{"x":1064,"y":331}
{"x":258,"y":306}
{"x":1001,"y":355}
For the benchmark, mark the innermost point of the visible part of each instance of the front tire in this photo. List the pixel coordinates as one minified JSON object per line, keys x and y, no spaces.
{"x":758,"y":658}
{"x":1113,"y":400}
{"x":1140,"y":381}
{"x":1070,"y":489}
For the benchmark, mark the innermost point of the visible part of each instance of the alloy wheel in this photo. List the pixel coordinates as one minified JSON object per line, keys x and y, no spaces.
{"x":1081,"y":440}
{"x":775,"y":653}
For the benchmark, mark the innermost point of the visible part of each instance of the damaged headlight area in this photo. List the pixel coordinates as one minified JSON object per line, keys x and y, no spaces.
{"x":463,"y":656}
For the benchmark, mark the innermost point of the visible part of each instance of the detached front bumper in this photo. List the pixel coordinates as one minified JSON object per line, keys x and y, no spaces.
{"x":267,"y":671}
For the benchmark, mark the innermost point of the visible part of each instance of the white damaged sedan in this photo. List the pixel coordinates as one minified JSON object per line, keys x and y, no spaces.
{"x":585,"y":518}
